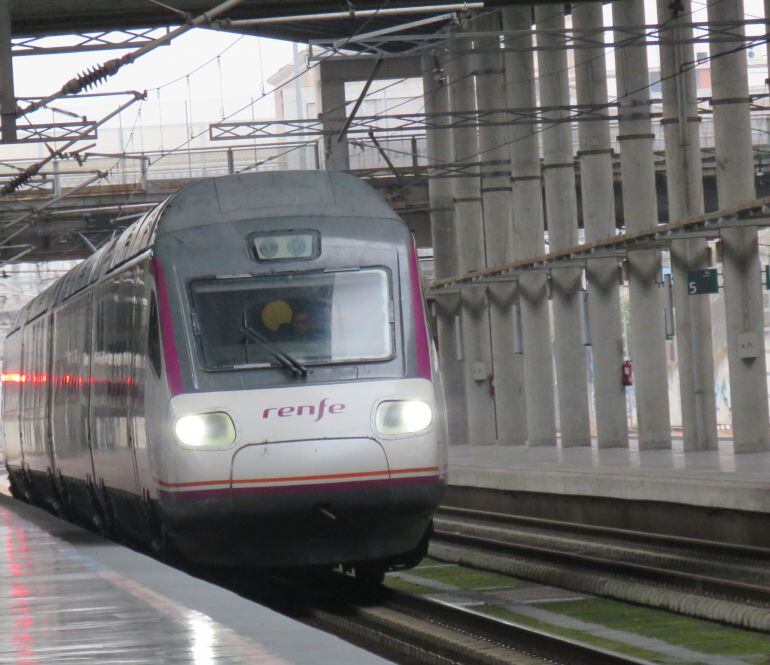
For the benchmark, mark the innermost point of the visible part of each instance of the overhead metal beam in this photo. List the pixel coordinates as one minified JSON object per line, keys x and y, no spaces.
{"x":411,"y":123}
{"x":400,"y":28}
{"x":755,"y":214}
{"x":388,"y":45}
{"x":359,"y":101}
{"x":56,"y":131}
{"x":350,"y":14}
{"x":31,"y":171}
{"x":83,"y":42}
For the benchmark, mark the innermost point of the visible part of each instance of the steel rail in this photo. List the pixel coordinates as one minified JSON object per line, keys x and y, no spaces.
{"x":694,"y":582}
{"x":511,"y":634}
{"x":727,"y":549}
{"x":425,"y":630}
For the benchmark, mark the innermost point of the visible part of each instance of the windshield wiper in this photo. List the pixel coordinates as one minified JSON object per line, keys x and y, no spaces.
{"x":288,"y":361}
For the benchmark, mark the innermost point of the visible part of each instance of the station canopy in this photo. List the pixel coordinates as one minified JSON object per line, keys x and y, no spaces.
{"x":53,"y":17}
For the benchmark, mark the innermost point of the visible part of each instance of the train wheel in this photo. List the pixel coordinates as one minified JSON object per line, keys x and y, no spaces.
{"x":16,"y":491}
{"x":370,"y":574}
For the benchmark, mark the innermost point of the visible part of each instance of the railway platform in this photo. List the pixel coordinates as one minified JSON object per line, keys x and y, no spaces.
{"x":68,"y":595}
{"x":708,"y":495}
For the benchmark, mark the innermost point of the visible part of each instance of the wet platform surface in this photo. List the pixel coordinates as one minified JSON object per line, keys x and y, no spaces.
{"x":69,"y":596}
{"x":710,"y":478}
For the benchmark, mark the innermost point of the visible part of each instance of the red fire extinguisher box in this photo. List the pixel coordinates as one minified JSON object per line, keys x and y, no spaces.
{"x":628,"y":373}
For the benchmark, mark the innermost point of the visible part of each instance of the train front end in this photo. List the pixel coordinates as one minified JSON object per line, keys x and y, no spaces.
{"x":305,"y":420}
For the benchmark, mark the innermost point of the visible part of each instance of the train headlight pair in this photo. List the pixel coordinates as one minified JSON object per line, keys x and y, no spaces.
{"x":397,"y":418}
{"x":205,"y":430}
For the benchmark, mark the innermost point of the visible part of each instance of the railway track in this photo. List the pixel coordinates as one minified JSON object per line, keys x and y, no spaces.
{"x":732,"y":582}
{"x":417,"y":630}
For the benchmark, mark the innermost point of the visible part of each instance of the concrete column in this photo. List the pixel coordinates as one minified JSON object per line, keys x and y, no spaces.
{"x":767,"y":55}
{"x":561,"y":214}
{"x":508,"y":367}
{"x":445,"y":263}
{"x":7,"y":95}
{"x":741,"y":266}
{"x":684,"y":176}
{"x":598,"y":205}
{"x":640,"y":211}
{"x":471,"y":251}
{"x":330,"y":101}
{"x":528,"y":230}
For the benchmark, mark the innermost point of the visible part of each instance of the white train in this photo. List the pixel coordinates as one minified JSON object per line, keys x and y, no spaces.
{"x":244,"y":375}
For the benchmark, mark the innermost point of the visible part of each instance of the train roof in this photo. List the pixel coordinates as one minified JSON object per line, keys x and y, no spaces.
{"x":270,"y":195}
{"x":214,"y":200}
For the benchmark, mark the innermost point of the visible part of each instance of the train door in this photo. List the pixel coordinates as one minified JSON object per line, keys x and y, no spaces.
{"x":33,"y":397}
{"x":11,"y":419}
{"x":70,"y":388}
{"x":139,"y":374}
{"x":46,"y":390}
{"x":112,"y":436}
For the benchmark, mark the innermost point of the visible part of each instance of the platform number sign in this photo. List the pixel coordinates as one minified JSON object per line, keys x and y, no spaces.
{"x":701,"y":282}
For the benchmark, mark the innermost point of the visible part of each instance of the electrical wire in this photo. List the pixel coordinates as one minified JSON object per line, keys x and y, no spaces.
{"x":579,"y":114}
{"x":291,"y":79}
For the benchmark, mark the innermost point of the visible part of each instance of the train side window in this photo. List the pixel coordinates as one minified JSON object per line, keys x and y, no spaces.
{"x":153,"y":341}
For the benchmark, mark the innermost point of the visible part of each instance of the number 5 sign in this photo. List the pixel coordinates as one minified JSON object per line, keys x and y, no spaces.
{"x":701,"y":282}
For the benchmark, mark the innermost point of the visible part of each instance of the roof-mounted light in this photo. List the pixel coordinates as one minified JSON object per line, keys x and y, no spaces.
{"x":280,"y":246}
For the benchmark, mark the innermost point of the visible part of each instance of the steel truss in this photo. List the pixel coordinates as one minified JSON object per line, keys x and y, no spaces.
{"x":711,"y":225}
{"x":406,"y":124}
{"x":410,"y":124}
{"x":382,"y":46}
{"x":56,"y":131}
{"x":89,"y":41}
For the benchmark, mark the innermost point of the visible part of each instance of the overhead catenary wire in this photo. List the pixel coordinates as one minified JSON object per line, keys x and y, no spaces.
{"x":302,"y":73}
{"x":34,"y":212}
{"x":100,"y":73}
{"x":631,"y":41}
{"x":291,"y":79}
{"x":576,"y":116}
{"x":191,"y":136}
{"x":253,"y":101}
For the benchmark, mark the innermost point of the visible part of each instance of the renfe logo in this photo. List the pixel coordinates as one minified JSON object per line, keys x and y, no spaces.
{"x":305,"y":409}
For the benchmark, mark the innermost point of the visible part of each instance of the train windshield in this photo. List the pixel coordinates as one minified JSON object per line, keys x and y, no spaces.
{"x":316,"y":318}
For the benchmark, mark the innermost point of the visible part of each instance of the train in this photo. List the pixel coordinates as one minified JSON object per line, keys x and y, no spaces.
{"x":244,"y":377}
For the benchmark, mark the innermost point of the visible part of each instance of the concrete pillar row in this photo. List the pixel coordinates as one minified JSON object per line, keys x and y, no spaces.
{"x":684,"y":175}
{"x":508,"y":367}
{"x":740,"y":251}
{"x":598,"y":206}
{"x":443,"y":234}
{"x":561,"y":214}
{"x":528,"y":232}
{"x":640,"y":211}
{"x":471,"y":250}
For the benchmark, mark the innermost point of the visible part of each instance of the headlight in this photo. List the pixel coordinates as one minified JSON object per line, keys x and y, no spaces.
{"x":205,"y":429}
{"x":395,"y":418}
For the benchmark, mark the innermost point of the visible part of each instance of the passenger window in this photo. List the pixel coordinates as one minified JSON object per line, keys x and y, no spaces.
{"x":153,"y":342}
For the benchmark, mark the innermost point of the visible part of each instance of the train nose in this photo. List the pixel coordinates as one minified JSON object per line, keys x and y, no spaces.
{"x":275,"y":467}
{"x":310,"y":498}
